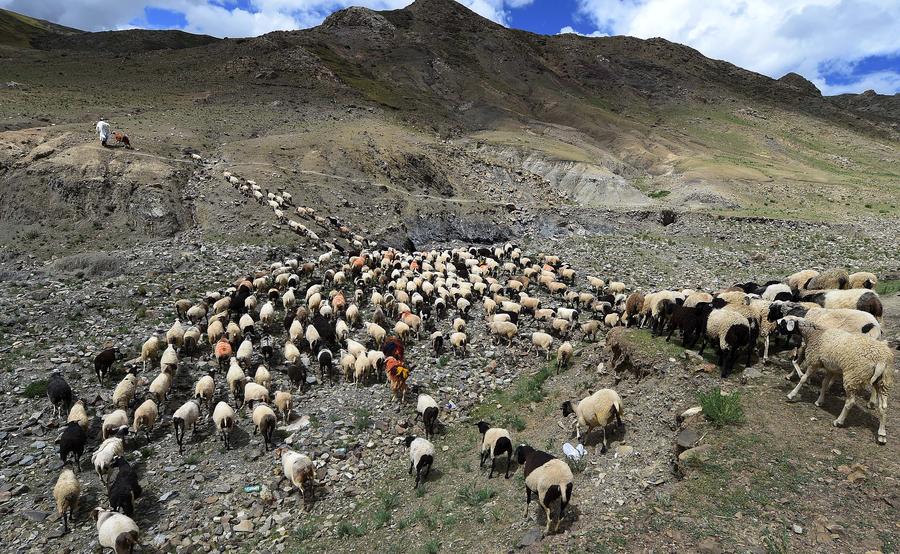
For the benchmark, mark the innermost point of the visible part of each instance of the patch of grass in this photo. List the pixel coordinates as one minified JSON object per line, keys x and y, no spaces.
{"x":381,"y":517}
{"x":305,"y":532}
{"x":362,"y":418}
{"x":36,"y":389}
{"x":776,"y":544}
{"x":516,"y":422}
{"x":431,"y":547}
{"x":347,"y":529}
{"x":530,"y":388}
{"x":659,"y":193}
{"x":443,"y":360}
{"x":888,"y":287}
{"x":721,"y":409}
{"x":474,"y":496}
{"x":147,"y":452}
{"x":193,"y":459}
{"x":141,"y":312}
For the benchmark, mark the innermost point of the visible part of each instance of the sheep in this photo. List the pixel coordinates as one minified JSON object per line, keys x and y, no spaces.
{"x":542,"y":341}
{"x":299,"y":470}
{"x":494,"y":442}
{"x":150,"y":352}
{"x":264,"y":421}
{"x":191,"y":342}
{"x":615,"y":287}
{"x":215,"y":333}
{"x":612,"y":320}
{"x":859,"y":360}
{"x":72,"y":442}
{"x":437,"y":342}
{"x":103,"y":362}
{"x":850,"y":320}
{"x":78,"y":414}
{"x":144,"y":417}
{"x":837,"y":278}
{"x":860,"y":299}
{"x":777,"y":291}
{"x":633,"y":306}
{"x":196,"y":313}
{"x":376,"y":333}
{"x":223,"y":418}
{"x":185,"y":417}
{"x":204,"y":390}
{"x":175,"y":335}
{"x":125,"y":487}
{"x":799,"y":280}
{"x":544,"y":314}
{"x":348,"y":363}
{"x":569,"y":314}
{"x":284,"y":401}
{"x":124,"y":391}
{"x":182,"y":305}
{"x":112,"y":422}
{"x":235,"y":379}
{"x":103,"y":456}
{"x":361,"y":369}
{"x":596,"y":410}
{"x":862,"y":280}
{"x":563,"y":356}
{"x":288,"y":299}
{"x":59,"y":393}
{"x":459,"y":341}
{"x":427,"y":408}
{"x":254,"y":392}
{"x":421,"y":456}
{"x":169,"y":361}
{"x":697,"y":297}
{"x":596,"y":283}
{"x":560,"y":326}
{"x":730,"y":331}
{"x":547,"y":477}
{"x":401,"y":330}
{"x":160,"y":386}
{"x":326,"y":365}
{"x":502,"y":329}
{"x":66,"y":492}
{"x":116,"y":531}
{"x":263,"y":377}
{"x":342,"y":330}
{"x":690,"y":320}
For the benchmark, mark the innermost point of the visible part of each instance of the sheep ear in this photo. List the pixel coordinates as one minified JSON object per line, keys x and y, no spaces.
{"x":790,"y":324}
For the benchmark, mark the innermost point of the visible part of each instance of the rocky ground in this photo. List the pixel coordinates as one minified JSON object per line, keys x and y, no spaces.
{"x":58,"y":314}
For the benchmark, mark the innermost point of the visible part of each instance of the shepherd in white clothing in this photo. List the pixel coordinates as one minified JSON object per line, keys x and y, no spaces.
{"x":103,"y":131}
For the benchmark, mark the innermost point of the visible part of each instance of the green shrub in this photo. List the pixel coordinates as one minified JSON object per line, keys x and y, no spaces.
{"x":721,"y":409}
{"x":36,"y":389}
{"x":347,"y":529}
{"x":475,"y":497}
{"x":659,"y":193}
{"x":305,"y":532}
{"x":888,"y":287}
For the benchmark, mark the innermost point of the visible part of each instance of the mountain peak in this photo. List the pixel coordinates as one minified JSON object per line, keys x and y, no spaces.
{"x":800,"y":83}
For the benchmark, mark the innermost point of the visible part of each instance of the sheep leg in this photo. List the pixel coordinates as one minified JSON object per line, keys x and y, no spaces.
{"x":603,"y":449}
{"x":766,"y":350}
{"x":881,"y":402}
{"x":826,"y":384}
{"x":527,"y":500}
{"x":493,"y":461}
{"x":410,"y":467}
{"x":66,"y":520}
{"x":851,"y":400}
{"x":483,"y":458}
{"x":508,"y":461}
{"x":549,"y":519}
{"x":803,"y":378}
{"x":873,"y":399}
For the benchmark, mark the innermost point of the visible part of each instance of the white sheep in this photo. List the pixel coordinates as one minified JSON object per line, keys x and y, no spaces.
{"x":79,"y":414}
{"x":596,"y":410}
{"x":66,"y":492}
{"x":543,"y":473}
{"x":124,"y":391}
{"x":263,"y":377}
{"x":798,"y":280}
{"x":145,"y":416}
{"x":264,"y":421}
{"x":185,"y":417}
{"x":223,"y":418}
{"x":299,"y":470}
{"x":169,"y":360}
{"x":235,"y":378}
{"x":205,"y":389}
{"x":564,"y":355}
{"x":103,"y":456}
{"x":254,"y":392}
{"x":421,"y":457}
{"x":837,"y":278}
{"x":859,"y":299}
{"x":160,"y":386}
{"x":861,"y":362}
{"x":862,"y":280}
{"x":501,"y":329}
{"x":112,"y":422}
{"x":376,"y":333}
{"x":284,"y":401}
{"x":116,"y":531}
{"x":542,"y":341}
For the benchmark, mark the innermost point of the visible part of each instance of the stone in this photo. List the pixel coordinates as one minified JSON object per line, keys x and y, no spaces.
{"x":246,"y":526}
{"x":687,"y":439}
{"x":709,"y":545}
{"x":751,"y":373}
{"x":35,"y":515}
{"x":530,"y":538}
{"x":222,"y":488}
{"x":697,"y":454}
{"x":624,"y":450}
{"x":797,"y":529}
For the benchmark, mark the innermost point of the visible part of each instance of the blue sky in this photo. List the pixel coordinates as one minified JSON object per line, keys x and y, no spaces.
{"x":840,"y":45}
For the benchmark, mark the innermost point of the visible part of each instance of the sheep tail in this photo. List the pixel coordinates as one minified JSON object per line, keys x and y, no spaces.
{"x":880,"y":368}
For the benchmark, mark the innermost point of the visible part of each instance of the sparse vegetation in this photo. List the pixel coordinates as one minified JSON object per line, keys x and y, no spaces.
{"x":474,"y":496}
{"x":35,"y":389}
{"x":721,"y":409}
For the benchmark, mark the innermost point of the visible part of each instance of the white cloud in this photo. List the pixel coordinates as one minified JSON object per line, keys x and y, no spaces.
{"x":814,"y":38}
{"x":224,"y":17}
{"x":569,"y":30}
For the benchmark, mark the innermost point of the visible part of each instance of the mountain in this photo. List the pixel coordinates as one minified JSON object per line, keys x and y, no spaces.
{"x":441,"y":109}
{"x":20,"y":30}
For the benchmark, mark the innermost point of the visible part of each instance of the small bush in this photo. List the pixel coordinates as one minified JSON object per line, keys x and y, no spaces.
{"x":517,"y":423}
{"x":432,"y":547}
{"x":577,"y":466}
{"x":389,"y":500}
{"x":36,"y":389}
{"x":475,"y":497}
{"x":530,"y":388}
{"x":347,"y":529}
{"x":381,"y":518}
{"x":305,"y":532}
{"x":659,"y":193}
{"x":362,"y":418}
{"x":888,"y":287}
{"x":442,"y":361}
{"x":721,"y":409}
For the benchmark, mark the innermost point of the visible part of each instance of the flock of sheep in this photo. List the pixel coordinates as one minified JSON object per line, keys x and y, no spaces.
{"x":832,"y":318}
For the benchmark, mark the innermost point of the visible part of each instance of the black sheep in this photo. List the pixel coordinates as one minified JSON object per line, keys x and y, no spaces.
{"x":125,"y":488}
{"x":297,"y":372}
{"x":103,"y":362}
{"x":326,"y":367}
{"x":325,"y":329}
{"x":72,"y":442}
{"x":60,"y":393}
{"x":690,"y":321}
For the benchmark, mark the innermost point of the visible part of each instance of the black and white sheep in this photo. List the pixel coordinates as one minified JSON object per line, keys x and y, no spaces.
{"x":494,"y":442}
{"x":125,"y":488}
{"x":71,"y":443}
{"x":548,"y":478}
{"x":116,"y":531}
{"x":596,"y":410}
{"x":223,"y":419}
{"x":427,"y":408}
{"x":421,"y":456}
{"x":264,"y":422}
{"x":185,"y":417}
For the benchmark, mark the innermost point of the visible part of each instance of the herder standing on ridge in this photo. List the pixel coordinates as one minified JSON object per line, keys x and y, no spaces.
{"x":103,"y":131}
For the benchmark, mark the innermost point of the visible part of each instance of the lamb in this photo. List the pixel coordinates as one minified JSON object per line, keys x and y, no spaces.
{"x":254,"y":392}
{"x":160,"y":386}
{"x":299,"y":470}
{"x":861,"y":361}
{"x":112,"y":423}
{"x":437,"y":342}
{"x":78,"y":414}
{"x":72,"y":442}
{"x":204,"y":390}
{"x":66,"y":493}
{"x":145,"y":416}
{"x":560,"y":326}
{"x":150,"y":352}
{"x":547,"y":477}
{"x":103,"y":456}
{"x":590,"y":329}
{"x":612,"y":320}
{"x":860,"y":299}
{"x":59,"y":393}
{"x":235,"y":379}
{"x":185,"y":417}
{"x":116,"y":531}
{"x":459,"y":341}
{"x":862,"y":280}
{"x":596,"y":410}
{"x":542,"y":341}
{"x":169,"y":360}
{"x":731,"y":331}
{"x":284,"y":401}
{"x":633,"y":305}
{"x":563,"y":356}
{"x":427,"y":408}
{"x":494,"y":442}
{"x":125,"y":488}
{"x":837,"y":278}
{"x":124,"y":391}
{"x":421,"y":456}
{"x":223,"y":418}
{"x":103,"y":362}
{"x":691,"y":321}
{"x":264,"y":421}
